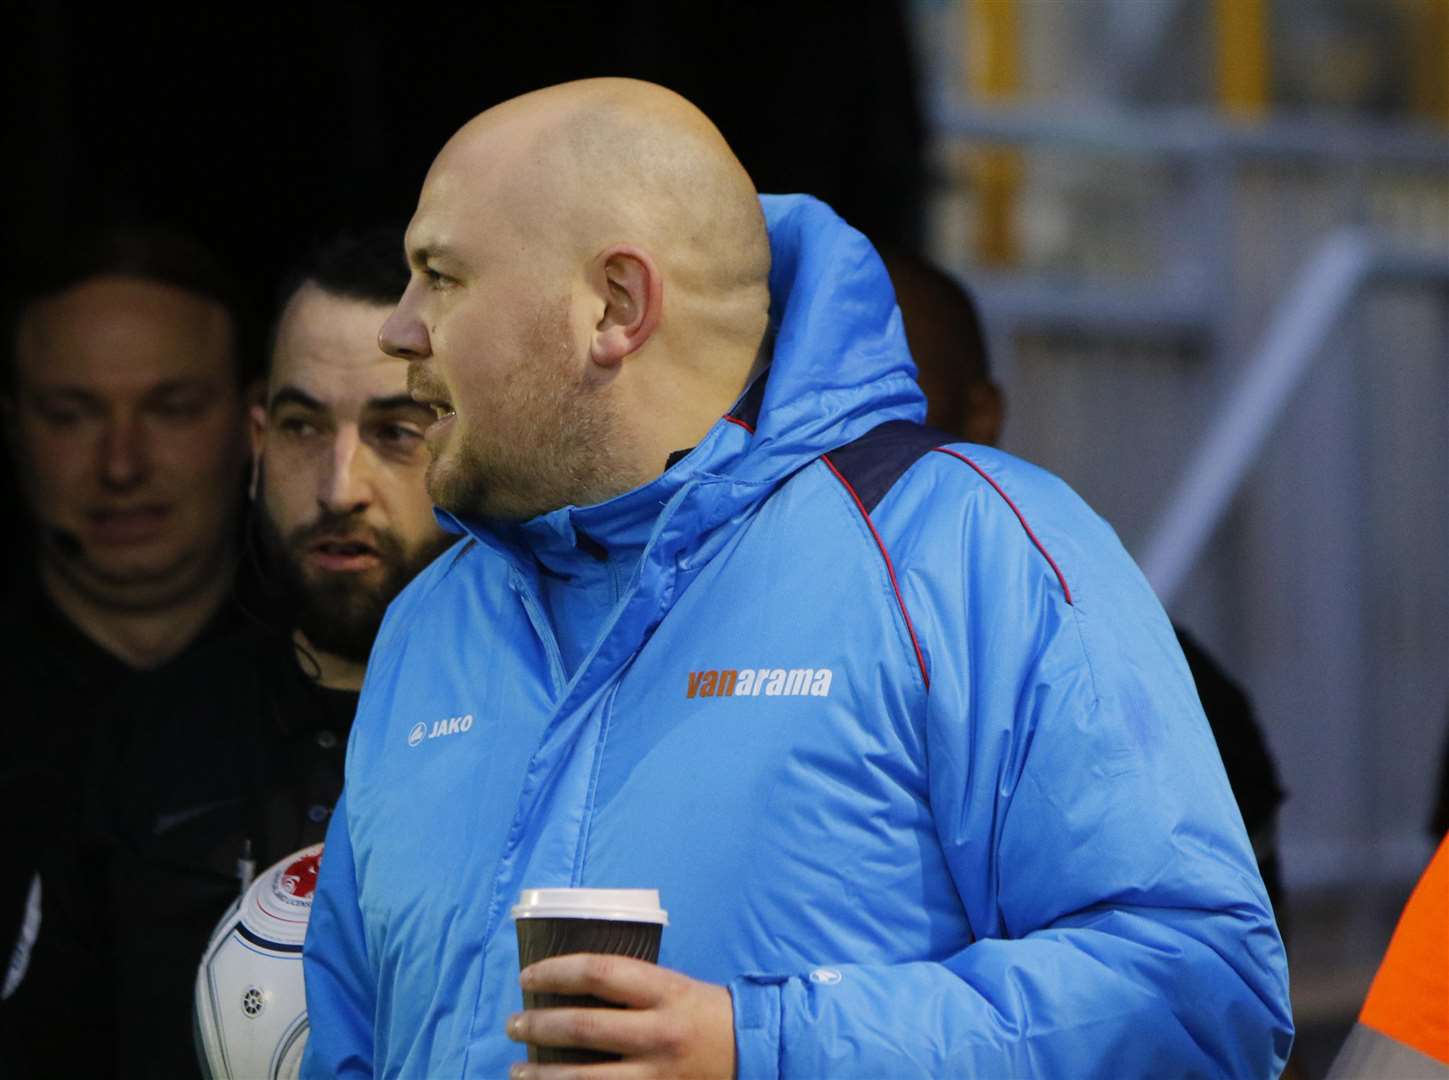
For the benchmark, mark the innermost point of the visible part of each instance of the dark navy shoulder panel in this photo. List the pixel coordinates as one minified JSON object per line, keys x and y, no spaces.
{"x":875,"y":461}
{"x":746,"y":412}
{"x":868,"y":468}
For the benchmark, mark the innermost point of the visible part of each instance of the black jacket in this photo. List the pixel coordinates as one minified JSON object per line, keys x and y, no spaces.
{"x":58,"y":683}
{"x":236,"y":752}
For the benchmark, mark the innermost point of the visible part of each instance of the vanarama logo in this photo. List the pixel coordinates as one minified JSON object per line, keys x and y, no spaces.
{"x":752,"y":682}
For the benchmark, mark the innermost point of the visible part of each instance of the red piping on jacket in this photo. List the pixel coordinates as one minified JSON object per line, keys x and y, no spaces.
{"x":740,"y":423}
{"x":890,"y":569}
{"x":1019,"y":517}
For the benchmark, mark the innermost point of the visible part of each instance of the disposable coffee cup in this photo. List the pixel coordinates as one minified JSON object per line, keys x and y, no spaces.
{"x":556,"y":922}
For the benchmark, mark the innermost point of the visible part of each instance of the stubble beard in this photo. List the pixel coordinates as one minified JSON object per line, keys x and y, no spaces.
{"x":340,"y":613}
{"x":552,"y":439}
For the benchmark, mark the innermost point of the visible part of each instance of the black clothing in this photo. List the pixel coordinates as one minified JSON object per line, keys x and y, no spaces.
{"x":1439,"y":819}
{"x":57,"y":682}
{"x":238,"y":746}
{"x":830,"y":106}
{"x":1249,"y":765}
{"x":53,"y":676}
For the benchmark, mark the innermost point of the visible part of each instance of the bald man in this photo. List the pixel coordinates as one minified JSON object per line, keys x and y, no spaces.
{"x":892,"y":724}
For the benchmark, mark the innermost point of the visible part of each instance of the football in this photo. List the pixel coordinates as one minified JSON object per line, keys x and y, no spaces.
{"x":250,"y":1004}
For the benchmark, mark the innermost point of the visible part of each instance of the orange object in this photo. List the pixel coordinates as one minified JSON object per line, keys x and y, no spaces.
{"x":1429,"y":82}
{"x":993,"y":76}
{"x":1242,"y":57}
{"x":1409,"y":998}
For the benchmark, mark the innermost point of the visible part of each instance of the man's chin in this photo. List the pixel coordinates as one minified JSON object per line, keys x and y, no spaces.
{"x":134,"y":575}
{"x":451,"y":492}
{"x":469,"y":491}
{"x":347,"y":588}
{"x":343,"y":622}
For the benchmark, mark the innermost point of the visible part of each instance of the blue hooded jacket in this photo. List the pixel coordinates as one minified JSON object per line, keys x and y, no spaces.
{"x":914,"y":761}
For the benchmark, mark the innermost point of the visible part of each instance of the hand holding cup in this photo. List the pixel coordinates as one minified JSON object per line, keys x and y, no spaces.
{"x":586,"y":1008}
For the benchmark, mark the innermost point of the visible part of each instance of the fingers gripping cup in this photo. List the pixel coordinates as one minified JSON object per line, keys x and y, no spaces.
{"x":556,"y":922}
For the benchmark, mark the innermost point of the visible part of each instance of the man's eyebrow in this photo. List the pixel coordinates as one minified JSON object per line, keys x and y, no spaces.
{"x":395,"y":401}
{"x":67,"y":393}
{"x":425,"y":253}
{"x":171,"y":386}
{"x":84,"y":395}
{"x":290,"y":395}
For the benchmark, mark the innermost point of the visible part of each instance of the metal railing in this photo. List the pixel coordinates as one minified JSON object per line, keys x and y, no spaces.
{"x":1272,"y":262}
{"x":1193,"y":133}
{"x":1326,"y":290}
{"x":1197,"y":294}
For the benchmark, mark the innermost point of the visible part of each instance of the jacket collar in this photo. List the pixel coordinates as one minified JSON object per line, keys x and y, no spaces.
{"x":567,"y":539}
{"x":840,"y":367}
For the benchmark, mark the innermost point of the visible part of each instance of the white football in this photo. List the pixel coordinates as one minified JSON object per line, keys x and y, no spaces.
{"x":251,"y":1004}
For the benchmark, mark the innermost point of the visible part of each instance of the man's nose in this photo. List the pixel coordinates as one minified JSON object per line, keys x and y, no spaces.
{"x":125,"y":454}
{"x":404,"y":335}
{"x":346,"y":483}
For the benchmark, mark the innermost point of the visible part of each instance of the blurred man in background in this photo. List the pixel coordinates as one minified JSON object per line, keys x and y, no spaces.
{"x":234,"y":757}
{"x":953,"y":366}
{"x":125,"y":408}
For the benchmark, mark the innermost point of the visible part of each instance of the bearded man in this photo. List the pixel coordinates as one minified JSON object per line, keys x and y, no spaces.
{"x":891,"y":722}
{"x":234,"y":758}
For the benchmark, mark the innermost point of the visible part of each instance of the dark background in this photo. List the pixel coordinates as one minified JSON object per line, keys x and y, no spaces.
{"x":261,"y":131}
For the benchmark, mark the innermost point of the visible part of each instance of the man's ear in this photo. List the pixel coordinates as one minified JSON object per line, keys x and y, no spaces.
{"x":257,"y":429}
{"x":629,"y":283}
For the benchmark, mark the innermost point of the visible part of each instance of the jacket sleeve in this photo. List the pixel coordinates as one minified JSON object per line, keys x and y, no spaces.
{"x":1120,"y":925}
{"x":341,"y":987}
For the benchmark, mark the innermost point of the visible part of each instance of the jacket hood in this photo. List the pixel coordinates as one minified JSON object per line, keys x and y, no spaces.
{"x":839,"y":368}
{"x":840,"y":365}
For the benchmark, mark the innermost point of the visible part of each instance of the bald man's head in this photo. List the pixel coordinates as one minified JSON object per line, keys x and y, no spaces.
{"x":602,"y":160}
{"x":590,"y":291}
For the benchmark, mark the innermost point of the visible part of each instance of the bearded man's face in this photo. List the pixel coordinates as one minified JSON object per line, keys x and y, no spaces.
{"x":345,"y":515}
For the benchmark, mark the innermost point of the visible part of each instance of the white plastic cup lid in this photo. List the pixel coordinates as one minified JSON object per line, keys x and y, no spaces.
{"x":618,"y":905}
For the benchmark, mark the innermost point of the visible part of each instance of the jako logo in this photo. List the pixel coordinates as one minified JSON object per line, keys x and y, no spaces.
{"x":454,"y":725}
{"x":752,"y":682}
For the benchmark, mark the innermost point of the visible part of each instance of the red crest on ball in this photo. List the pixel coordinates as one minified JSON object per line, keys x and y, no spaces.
{"x":299,"y":879}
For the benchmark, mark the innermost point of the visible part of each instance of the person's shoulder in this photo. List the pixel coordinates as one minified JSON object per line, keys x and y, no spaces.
{"x":441,"y":572}
{"x":984,"y":509}
{"x":432,"y":585}
{"x":965,"y":486}
{"x":44,"y":646}
{"x":57,"y":681}
{"x":1001,"y":480}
